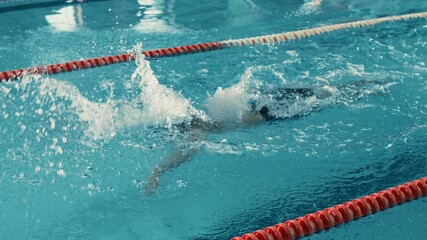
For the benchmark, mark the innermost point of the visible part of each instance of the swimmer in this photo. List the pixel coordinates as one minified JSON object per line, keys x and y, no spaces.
{"x":284,"y":99}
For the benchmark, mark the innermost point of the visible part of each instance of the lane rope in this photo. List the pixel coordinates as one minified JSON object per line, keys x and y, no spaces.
{"x":342,"y":213}
{"x":200,"y":47}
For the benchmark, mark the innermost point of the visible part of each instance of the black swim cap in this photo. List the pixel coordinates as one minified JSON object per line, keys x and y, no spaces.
{"x":264,"y":113}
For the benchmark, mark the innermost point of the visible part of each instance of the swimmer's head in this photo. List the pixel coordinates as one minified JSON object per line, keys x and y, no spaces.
{"x":264,"y":113}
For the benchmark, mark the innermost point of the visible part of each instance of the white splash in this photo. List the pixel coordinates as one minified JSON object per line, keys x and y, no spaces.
{"x":154,"y":105}
{"x":229,"y":104}
{"x":162,"y":106}
{"x":100,"y":117}
{"x":310,"y":7}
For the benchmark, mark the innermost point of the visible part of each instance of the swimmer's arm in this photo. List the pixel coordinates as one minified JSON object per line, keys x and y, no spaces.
{"x":177,"y":158}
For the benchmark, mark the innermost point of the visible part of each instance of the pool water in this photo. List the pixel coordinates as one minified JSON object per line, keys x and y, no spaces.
{"x":78,"y":149}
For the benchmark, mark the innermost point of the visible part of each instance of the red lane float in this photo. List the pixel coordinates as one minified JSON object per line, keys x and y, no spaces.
{"x":107,"y":60}
{"x":201,"y":47}
{"x":342,"y":213}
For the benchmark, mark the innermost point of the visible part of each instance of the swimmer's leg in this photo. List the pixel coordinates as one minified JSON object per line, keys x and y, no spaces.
{"x":284,"y":98}
{"x":290,"y":93}
{"x":357,"y":89}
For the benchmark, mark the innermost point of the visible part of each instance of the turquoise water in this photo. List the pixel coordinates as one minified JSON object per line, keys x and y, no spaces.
{"x":78,"y":149}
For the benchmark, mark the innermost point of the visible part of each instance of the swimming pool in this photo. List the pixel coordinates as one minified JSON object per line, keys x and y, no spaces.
{"x":78,"y":148}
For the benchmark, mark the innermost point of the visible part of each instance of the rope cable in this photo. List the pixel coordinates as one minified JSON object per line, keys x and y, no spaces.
{"x":200,"y":47}
{"x":342,"y":213}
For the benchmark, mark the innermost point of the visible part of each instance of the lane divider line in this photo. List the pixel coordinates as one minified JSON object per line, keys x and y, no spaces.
{"x":200,"y":47}
{"x":342,"y":213}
